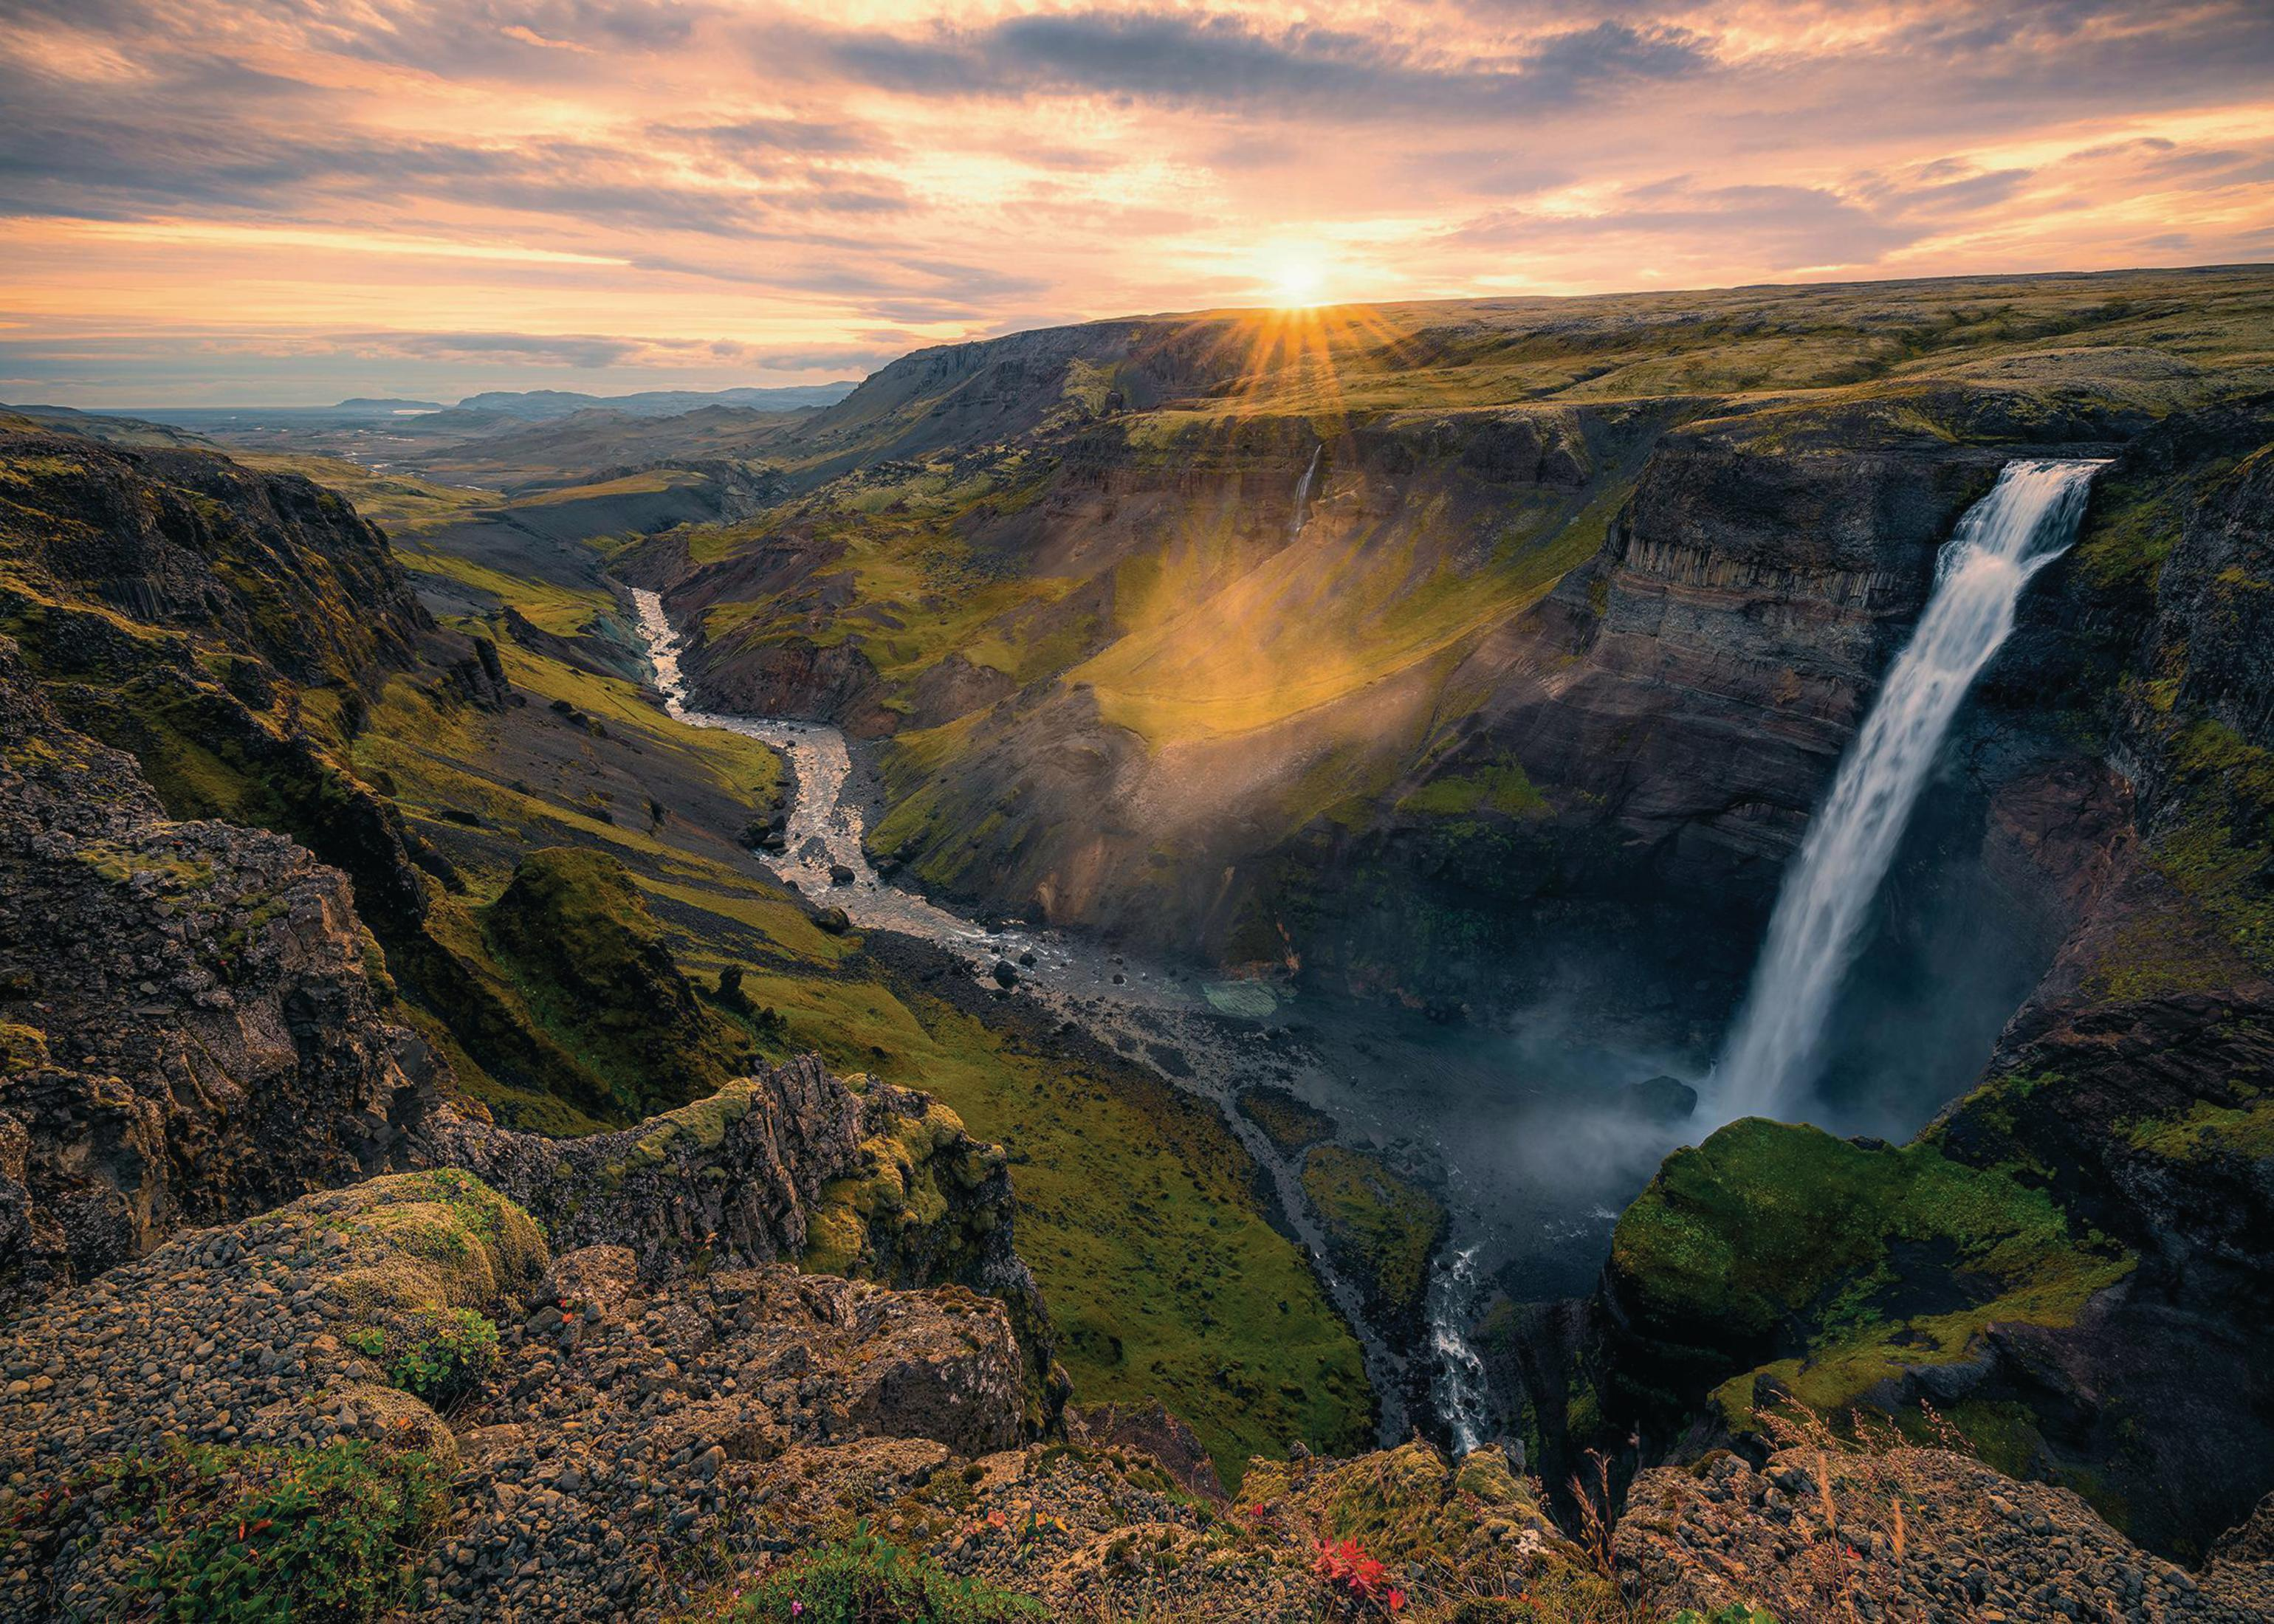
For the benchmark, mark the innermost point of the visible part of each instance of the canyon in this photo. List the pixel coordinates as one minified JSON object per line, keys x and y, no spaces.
{"x":1310,"y":790}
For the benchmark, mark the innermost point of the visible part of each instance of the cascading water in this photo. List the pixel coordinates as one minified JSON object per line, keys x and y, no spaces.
{"x":1456,"y":1387}
{"x":1303,"y":494}
{"x":2028,"y":520}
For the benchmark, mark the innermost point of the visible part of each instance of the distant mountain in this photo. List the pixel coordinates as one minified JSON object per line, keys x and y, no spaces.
{"x":365,"y":402}
{"x":538,"y":405}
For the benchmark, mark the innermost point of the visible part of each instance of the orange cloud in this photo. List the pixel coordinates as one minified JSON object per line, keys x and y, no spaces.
{"x":719,"y":191}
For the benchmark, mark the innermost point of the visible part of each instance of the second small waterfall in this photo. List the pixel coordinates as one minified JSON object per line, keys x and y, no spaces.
{"x":1303,"y":495}
{"x":2028,"y":520}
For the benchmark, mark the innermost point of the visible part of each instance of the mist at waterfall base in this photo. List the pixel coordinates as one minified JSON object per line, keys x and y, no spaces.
{"x":1777,"y":1052}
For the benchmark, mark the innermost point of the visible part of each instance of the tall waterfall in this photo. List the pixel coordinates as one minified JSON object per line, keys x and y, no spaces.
{"x":2028,"y":520}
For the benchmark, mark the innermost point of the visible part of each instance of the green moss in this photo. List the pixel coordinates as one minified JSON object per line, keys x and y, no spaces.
{"x":22,"y":1048}
{"x":1382,"y":1228}
{"x":2205,"y":1129}
{"x":1286,"y":1120}
{"x":1503,"y":789}
{"x":2215,"y":841}
{"x":425,"y":1244}
{"x":865,"y":1581}
{"x":120,"y":864}
{"x":1874,"y":1260}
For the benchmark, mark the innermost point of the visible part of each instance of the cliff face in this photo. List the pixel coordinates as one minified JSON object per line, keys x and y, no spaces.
{"x":274,"y":566}
{"x":192,"y":1026}
{"x":1434,"y":647}
{"x":2070,"y":1263}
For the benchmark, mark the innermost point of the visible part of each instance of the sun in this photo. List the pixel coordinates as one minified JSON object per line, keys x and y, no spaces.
{"x":1297,"y":276}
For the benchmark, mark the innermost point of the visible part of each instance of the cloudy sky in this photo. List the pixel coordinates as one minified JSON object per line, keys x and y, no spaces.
{"x":290,"y":200}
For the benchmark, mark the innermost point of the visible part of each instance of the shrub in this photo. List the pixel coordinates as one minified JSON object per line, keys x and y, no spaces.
{"x":865,"y":1581}
{"x":241,"y":1534}
{"x":456,"y":1353}
{"x":1352,"y":1575}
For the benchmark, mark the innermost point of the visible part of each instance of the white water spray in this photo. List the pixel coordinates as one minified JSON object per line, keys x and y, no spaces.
{"x":2028,"y":520}
{"x":1303,"y":495}
{"x":1458,"y":1385}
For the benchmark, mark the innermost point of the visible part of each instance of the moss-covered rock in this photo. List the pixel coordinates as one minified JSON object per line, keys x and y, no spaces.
{"x":1837,"y":1270}
{"x":1384,"y":1230}
{"x":1289,"y":1122}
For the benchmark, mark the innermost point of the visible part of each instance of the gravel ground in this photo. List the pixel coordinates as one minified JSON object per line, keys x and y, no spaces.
{"x":1818,"y":1532}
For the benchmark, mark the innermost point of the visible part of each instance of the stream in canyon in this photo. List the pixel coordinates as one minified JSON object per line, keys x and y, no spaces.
{"x":1534,"y":1138}
{"x":1519,"y":1134}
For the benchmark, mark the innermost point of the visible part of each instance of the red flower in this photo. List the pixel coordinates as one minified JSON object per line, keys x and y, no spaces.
{"x":1395,"y":1601}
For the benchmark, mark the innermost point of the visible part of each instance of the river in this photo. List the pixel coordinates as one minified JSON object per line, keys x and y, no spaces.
{"x":1518,"y":1132}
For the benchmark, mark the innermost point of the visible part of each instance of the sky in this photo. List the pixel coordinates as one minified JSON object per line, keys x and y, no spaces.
{"x":289,"y":201}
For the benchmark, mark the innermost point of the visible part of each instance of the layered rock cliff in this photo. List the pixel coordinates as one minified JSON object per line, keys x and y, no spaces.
{"x":1439,"y":657}
{"x":2070,"y":1262}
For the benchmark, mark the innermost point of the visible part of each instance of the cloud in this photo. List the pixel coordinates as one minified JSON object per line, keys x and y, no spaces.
{"x":1782,"y":229}
{"x":541,"y":350}
{"x":1220,"y":61}
{"x":704,"y":189}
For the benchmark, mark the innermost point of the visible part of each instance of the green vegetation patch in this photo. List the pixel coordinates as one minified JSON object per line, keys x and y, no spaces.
{"x":245,"y":1534}
{"x":865,"y":1581}
{"x":1383,"y":1228}
{"x":2217,"y":844}
{"x":1502,"y":788}
{"x":1286,"y":1120}
{"x":1874,"y":1260}
{"x":424,"y":1243}
{"x":444,"y":1359}
{"x":1137,"y":1212}
{"x":594,"y":962}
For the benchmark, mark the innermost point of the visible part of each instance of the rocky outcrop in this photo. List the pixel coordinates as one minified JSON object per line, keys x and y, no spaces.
{"x":195,"y":1026}
{"x":789,"y":1163}
{"x":192,"y":1028}
{"x":1910,"y":1535}
{"x":614,"y":1432}
{"x":548,"y":1433}
{"x":271,"y":564}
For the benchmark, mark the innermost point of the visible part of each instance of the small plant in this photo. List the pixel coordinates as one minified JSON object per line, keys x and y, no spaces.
{"x":1352,"y":1575}
{"x":243,"y":1534}
{"x":866,"y":1580}
{"x":457,"y":1353}
{"x":1598,"y":1514}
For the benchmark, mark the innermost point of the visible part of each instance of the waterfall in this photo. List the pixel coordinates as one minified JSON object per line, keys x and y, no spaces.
{"x":1458,"y":1385}
{"x":2028,"y":520}
{"x":1303,"y":494}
